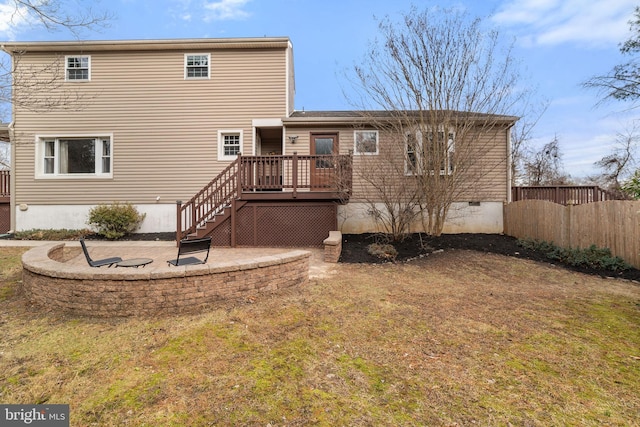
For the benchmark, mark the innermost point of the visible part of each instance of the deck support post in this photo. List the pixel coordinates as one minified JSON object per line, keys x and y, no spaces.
{"x":179,"y":221}
{"x":233,"y":222}
{"x":294,"y":173}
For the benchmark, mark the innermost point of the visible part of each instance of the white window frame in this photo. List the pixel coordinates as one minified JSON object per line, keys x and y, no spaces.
{"x":40,"y":152}
{"x":221,"y":146}
{"x":66,"y":68}
{"x":449,"y":169}
{"x":186,"y":66}
{"x":357,"y":135}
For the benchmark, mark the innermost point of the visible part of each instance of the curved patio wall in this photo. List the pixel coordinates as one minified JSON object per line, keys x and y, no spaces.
{"x":117,"y":292}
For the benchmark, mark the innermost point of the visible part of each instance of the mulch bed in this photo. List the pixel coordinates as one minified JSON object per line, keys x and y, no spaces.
{"x":354,"y":250}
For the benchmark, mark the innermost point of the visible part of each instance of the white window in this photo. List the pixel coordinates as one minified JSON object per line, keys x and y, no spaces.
{"x":196,"y":66}
{"x":432,"y":151}
{"x":229,"y":144}
{"x":76,"y":156}
{"x":412,"y":149}
{"x":365,"y":142}
{"x":78,"y":68}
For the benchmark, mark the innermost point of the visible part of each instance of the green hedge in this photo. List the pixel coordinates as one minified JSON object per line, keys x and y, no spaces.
{"x":592,"y":257}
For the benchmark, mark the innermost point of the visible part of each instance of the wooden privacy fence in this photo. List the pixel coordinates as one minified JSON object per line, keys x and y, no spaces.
{"x":614,"y":224}
{"x":563,"y":194}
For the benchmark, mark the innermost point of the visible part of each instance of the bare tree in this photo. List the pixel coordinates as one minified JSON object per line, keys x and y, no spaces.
{"x":56,"y":15}
{"x":544,"y":167}
{"x":37,"y":88}
{"x":622,"y":83}
{"x":620,"y":164}
{"x":392,"y":204}
{"x":521,"y":135}
{"x":5,"y":162}
{"x":443,"y":86}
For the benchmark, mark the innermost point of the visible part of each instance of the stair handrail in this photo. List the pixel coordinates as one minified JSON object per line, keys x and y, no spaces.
{"x":209,"y":201}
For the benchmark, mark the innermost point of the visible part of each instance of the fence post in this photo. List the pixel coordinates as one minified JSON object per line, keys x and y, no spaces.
{"x":566,"y":232}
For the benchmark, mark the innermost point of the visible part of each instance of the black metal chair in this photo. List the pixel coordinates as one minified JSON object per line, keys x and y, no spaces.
{"x":190,"y":246}
{"x":98,"y":262}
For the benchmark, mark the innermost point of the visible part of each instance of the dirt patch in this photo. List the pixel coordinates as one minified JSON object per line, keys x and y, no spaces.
{"x":354,"y":250}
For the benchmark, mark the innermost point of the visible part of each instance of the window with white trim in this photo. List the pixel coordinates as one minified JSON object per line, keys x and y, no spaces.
{"x":431,"y":152}
{"x":77,"y":68}
{"x":229,"y":144}
{"x":365,"y":142}
{"x":412,"y":149}
{"x":75,"y":156}
{"x":196,"y":66}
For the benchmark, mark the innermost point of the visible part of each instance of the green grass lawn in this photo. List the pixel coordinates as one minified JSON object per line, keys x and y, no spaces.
{"x":458,"y":338}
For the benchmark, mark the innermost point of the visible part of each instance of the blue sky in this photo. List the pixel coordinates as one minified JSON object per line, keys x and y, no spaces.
{"x":560,"y":44}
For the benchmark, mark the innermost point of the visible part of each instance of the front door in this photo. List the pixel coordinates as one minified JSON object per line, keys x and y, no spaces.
{"x":323,"y":172}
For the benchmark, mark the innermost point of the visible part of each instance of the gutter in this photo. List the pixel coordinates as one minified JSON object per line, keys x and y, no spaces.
{"x":146,"y":45}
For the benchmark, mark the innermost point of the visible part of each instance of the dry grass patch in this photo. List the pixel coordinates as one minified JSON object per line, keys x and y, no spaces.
{"x":10,"y":270}
{"x":453,"y":339}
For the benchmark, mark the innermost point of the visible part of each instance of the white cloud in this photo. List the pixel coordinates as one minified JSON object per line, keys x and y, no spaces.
{"x":11,"y":20}
{"x":553,"y":22}
{"x":224,"y":10}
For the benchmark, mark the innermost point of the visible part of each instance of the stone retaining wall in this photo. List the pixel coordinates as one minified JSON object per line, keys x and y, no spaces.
{"x":110,"y":292}
{"x":333,"y":247}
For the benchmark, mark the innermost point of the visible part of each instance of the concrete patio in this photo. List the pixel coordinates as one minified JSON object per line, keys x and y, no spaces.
{"x":162,"y":251}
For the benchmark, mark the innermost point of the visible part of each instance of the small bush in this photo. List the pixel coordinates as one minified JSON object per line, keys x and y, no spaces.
{"x":591,"y":257}
{"x":116,"y":220}
{"x":382,"y":250}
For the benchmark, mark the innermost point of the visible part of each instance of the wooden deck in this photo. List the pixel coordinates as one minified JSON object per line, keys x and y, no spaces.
{"x":292,"y":178}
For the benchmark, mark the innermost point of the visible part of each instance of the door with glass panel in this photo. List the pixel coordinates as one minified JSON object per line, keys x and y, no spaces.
{"x":323,"y":172}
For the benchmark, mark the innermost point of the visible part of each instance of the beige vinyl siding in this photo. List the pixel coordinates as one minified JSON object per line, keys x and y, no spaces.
{"x":164,"y":128}
{"x":487,"y":180}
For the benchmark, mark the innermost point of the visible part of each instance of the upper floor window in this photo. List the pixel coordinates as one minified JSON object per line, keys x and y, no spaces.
{"x":229,"y":144}
{"x":78,"y":68}
{"x":431,"y":151}
{"x":75,"y":156}
{"x":365,"y":141}
{"x":196,"y":66}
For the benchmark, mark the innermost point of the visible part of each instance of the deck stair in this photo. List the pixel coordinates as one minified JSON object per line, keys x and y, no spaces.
{"x":259,"y":179}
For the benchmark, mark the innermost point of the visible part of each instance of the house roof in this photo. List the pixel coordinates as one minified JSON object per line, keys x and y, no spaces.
{"x":351,"y":116}
{"x":161,"y":44}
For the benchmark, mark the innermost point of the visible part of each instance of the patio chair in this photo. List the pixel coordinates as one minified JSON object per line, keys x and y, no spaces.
{"x":187,"y":246}
{"x":98,"y":262}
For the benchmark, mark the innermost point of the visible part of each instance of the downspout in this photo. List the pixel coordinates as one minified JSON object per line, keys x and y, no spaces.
{"x":12,"y":142}
{"x":290,"y":83}
{"x":509,"y":163}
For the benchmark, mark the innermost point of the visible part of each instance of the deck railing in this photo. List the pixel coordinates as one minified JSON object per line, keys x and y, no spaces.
{"x":563,"y":194}
{"x":252,"y":174}
{"x":5,"y":183}
{"x":209,"y":201}
{"x":295,"y":173}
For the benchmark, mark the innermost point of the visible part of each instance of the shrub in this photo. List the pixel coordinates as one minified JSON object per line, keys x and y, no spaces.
{"x":382,"y":250}
{"x":592,"y":257}
{"x":116,"y":220}
{"x":50,"y":234}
